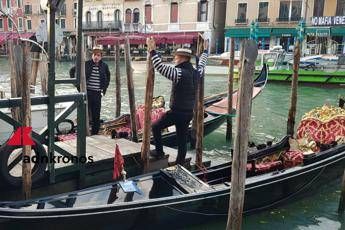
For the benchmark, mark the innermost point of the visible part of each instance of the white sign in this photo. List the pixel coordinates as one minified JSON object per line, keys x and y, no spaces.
{"x":328,"y":21}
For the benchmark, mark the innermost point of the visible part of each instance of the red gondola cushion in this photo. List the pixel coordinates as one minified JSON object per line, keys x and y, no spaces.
{"x":292,"y":158}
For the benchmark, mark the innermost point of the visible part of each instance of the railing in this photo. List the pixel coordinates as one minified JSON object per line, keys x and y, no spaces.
{"x":241,"y":21}
{"x":287,"y":19}
{"x":131,"y":27}
{"x":102,"y":25}
{"x":262,"y":20}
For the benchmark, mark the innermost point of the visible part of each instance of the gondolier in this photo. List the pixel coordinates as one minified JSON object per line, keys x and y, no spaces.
{"x":182,"y":99}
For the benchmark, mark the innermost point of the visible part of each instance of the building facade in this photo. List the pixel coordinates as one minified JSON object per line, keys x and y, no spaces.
{"x":278,"y":19}
{"x":104,"y":17}
{"x":29,"y":15}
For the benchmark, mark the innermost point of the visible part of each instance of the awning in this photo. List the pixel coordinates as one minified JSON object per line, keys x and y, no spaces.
{"x":284,"y":32}
{"x":338,"y":31}
{"x":318,"y":31}
{"x":264,"y":32}
{"x":14,"y":35}
{"x":160,"y":38}
{"x":242,"y":32}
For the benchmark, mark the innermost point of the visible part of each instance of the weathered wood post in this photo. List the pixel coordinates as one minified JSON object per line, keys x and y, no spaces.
{"x":117,"y":81}
{"x":239,"y":162}
{"x":230,"y":89}
{"x":130,"y":86}
{"x":43,"y":67}
{"x":294,"y":83}
{"x":26,"y":115}
{"x":15,"y":53}
{"x":145,"y":148}
{"x":34,"y":69}
{"x":199,"y":113}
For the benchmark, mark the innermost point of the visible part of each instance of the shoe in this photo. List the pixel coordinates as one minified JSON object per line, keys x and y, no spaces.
{"x":156,"y":154}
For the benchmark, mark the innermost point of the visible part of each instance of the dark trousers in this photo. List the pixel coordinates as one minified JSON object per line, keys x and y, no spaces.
{"x":181,"y":121}
{"x":94,"y":106}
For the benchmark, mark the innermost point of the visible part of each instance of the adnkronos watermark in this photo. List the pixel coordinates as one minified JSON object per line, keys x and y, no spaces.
{"x":58,"y":159}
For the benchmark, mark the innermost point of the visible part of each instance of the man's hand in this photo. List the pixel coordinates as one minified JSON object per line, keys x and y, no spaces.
{"x":151,"y":44}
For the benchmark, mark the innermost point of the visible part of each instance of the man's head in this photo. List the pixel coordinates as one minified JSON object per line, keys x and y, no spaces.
{"x":182,"y":55}
{"x":97,"y":54}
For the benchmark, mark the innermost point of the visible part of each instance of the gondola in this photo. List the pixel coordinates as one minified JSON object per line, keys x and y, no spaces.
{"x":174,"y":197}
{"x":215,"y":109}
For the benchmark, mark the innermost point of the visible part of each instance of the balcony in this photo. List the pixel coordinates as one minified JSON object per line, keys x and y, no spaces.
{"x":132,"y":27}
{"x":241,"y":21}
{"x":105,"y":25}
{"x":283,"y":19}
{"x":287,"y":19}
{"x":263,"y":20}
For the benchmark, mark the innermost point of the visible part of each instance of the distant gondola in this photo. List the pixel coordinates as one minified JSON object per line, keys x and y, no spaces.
{"x":173,"y":197}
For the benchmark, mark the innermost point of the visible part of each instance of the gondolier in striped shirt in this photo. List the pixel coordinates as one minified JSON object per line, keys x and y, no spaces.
{"x":97,"y":81}
{"x":183,"y":93}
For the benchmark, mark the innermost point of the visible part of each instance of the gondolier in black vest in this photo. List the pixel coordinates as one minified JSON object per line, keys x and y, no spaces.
{"x":184,"y":84}
{"x":97,"y":81}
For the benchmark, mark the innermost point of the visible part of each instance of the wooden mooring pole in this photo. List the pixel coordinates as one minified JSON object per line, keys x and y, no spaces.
{"x":239,"y":162}
{"x":34,"y":69}
{"x":26,"y":115}
{"x":130,"y":86}
{"x":230,"y":89}
{"x":117,"y":81}
{"x":15,"y":53}
{"x":145,"y":148}
{"x":341,"y":206}
{"x":199,"y":113}
{"x":294,"y":84}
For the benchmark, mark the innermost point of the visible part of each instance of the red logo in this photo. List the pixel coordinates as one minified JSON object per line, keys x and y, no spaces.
{"x":22,"y":136}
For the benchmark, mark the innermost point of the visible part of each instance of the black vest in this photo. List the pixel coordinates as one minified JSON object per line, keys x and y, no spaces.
{"x":182,"y":97}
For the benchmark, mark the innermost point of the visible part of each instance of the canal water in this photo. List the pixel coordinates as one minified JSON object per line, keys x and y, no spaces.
{"x":268,"y":122}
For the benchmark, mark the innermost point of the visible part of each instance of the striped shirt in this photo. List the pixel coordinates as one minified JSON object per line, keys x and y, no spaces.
{"x":94,"y":82}
{"x":174,"y":73}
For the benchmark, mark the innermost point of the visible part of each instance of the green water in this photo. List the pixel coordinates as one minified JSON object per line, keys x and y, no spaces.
{"x":269,"y":115}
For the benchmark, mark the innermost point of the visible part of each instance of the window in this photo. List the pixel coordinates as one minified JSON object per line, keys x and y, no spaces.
{"x":99,"y":19}
{"x":75,"y":6}
{"x":42,"y":21}
{"x":173,"y":12}
{"x":202,"y":11}
{"x":117,"y":15}
{"x":318,"y":8}
{"x":263,"y":11}
{"x":75,"y":23}
{"x":242,"y":13}
{"x":28,"y":24}
{"x":136,"y":15}
{"x":57,"y":21}
{"x":20,"y":23}
{"x":128,"y":18}
{"x":8,"y":3}
{"x":63,"y":10}
{"x":0,"y":4}
{"x":9,"y":24}
{"x":63,"y":23}
{"x":19,"y":3}
{"x":27,"y":9}
{"x":296,"y":10}
{"x":88,"y":18}
{"x":340,"y":8}
{"x":148,"y":13}
{"x":284,"y":11}
{"x":1,"y":23}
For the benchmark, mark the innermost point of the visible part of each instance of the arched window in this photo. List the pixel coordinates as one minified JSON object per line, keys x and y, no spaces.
{"x":99,"y":19}
{"x":117,"y":15}
{"x":88,"y":18}
{"x":128,"y":18}
{"x":136,"y":15}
